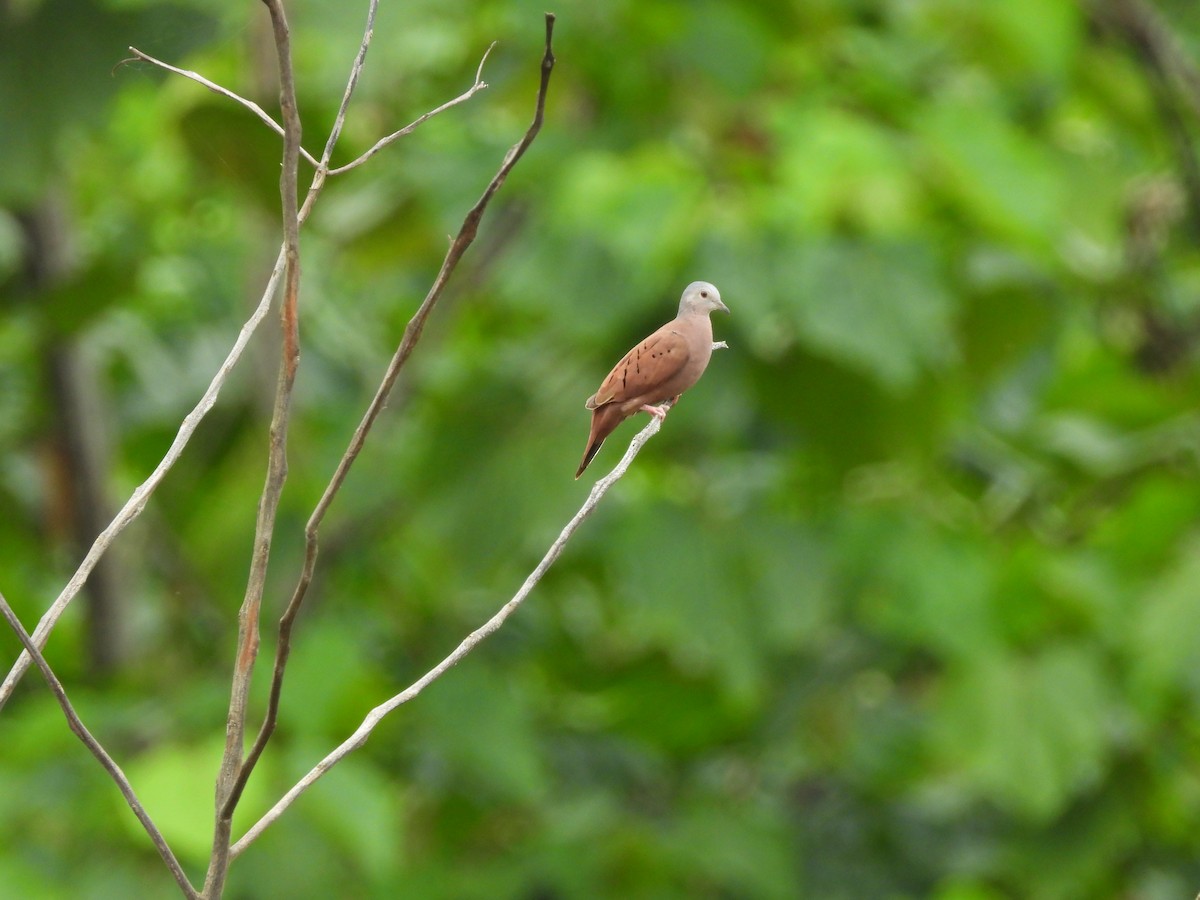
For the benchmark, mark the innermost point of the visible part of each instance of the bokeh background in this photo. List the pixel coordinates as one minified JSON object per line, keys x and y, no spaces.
{"x":904,"y":601}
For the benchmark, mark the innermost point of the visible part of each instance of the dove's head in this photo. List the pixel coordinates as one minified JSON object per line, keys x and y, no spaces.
{"x":701,"y":297}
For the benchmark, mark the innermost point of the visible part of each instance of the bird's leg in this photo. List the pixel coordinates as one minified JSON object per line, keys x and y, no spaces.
{"x":659,"y":412}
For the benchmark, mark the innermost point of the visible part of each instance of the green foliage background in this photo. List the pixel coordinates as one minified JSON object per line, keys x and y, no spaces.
{"x":904,"y":601}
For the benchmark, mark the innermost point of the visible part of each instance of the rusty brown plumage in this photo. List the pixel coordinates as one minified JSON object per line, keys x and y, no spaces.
{"x":658,"y":369}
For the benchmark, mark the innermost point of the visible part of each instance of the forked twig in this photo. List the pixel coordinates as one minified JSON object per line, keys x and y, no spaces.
{"x":479,"y":85}
{"x":234,"y":770}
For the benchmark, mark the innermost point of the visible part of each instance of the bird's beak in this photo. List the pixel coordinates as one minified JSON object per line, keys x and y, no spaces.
{"x":725,"y":309}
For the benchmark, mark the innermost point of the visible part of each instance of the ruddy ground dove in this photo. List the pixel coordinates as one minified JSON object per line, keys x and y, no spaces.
{"x":658,"y":369}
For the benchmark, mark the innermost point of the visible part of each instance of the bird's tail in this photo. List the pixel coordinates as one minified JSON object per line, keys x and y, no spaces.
{"x":604,"y":421}
{"x":592,"y":450}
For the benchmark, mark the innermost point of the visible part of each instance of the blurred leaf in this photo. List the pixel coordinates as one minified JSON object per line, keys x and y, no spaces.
{"x":1163,"y":640}
{"x":329,"y":683}
{"x":878,"y":308}
{"x":648,"y":206}
{"x":728,"y":37}
{"x":233,"y":144}
{"x":1029,"y":38}
{"x":175,"y":785}
{"x":733,"y":848}
{"x":839,"y":170}
{"x":76,"y":81}
{"x":1029,"y":732}
{"x":484,"y":733}
{"x":71,"y":307}
{"x":1001,"y":179}
{"x":359,"y":810}
{"x":931,"y":591}
{"x":675,"y":594}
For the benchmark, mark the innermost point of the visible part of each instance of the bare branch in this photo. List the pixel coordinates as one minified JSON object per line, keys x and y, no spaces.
{"x":94,"y":747}
{"x":412,"y":334}
{"x":229,"y":785}
{"x":223,"y":91}
{"x":137,"y":501}
{"x":475,"y":88}
{"x":379,"y":713}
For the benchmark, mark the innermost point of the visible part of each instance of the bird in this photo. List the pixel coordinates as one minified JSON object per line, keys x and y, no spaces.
{"x":658,"y":369}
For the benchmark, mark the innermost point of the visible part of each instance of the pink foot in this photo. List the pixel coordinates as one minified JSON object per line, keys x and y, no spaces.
{"x":659,"y":412}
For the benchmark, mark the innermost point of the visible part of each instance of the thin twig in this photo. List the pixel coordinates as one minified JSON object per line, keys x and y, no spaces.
{"x":137,"y":501}
{"x":228,"y":783}
{"x":477,"y":86}
{"x":356,"y":68}
{"x":377,"y":715}
{"x":339,"y":120}
{"x":217,"y":89}
{"x":412,"y":334}
{"x":110,"y":766}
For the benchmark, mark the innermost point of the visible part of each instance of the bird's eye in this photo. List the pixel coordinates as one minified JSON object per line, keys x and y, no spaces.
{"x":704,"y":294}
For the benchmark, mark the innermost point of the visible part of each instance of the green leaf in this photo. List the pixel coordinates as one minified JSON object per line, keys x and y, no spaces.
{"x":924,"y":588}
{"x":175,"y":784}
{"x":836,"y":170}
{"x":675,"y":593}
{"x":357,"y":807}
{"x":1027,"y":733}
{"x":879,"y":308}
{"x":1164,"y":641}
{"x":734,"y":848}
{"x":76,"y":81}
{"x":1004,"y":181}
{"x":480,"y":728}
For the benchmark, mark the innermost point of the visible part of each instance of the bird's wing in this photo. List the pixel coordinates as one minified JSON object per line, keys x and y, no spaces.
{"x":650,"y":364}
